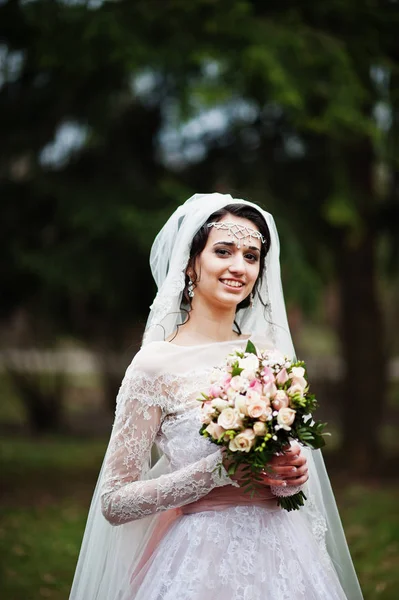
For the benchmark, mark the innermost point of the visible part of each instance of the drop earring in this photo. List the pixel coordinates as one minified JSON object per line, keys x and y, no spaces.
{"x":251,"y":300}
{"x":190,"y":288}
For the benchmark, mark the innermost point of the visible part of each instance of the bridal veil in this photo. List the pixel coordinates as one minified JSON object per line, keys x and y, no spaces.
{"x":110,"y":555}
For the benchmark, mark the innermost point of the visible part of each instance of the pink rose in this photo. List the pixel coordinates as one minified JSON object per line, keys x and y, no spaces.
{"x":215,"y":430}
{"x":269,"y":389}
{"x":256,"y":386}
{"x":285,"y":418}
{"x":225,"y":381}
{"x":282,"y":377}
{"x":268,"y":375}
{"x":215,"y":391}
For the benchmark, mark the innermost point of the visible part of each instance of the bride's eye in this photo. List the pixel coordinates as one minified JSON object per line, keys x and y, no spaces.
{"x":251,"y":257}
{"x":222,"y":252}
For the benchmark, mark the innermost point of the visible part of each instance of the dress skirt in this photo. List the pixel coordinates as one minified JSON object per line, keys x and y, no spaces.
{"x":240,"y":553}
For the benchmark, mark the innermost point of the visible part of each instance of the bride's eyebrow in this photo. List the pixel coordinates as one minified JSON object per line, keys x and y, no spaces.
{"x":233,"y":244}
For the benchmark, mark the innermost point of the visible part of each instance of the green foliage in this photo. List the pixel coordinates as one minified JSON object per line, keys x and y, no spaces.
{"x":42,"y":524}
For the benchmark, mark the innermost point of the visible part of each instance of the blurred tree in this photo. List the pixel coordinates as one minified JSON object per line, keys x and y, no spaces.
{"x":309,"y":119}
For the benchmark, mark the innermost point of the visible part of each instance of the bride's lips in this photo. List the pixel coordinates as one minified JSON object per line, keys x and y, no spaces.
{"x":233,"y":284}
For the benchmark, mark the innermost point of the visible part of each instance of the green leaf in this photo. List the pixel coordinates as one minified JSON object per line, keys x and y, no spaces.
{"x":250,"y":348}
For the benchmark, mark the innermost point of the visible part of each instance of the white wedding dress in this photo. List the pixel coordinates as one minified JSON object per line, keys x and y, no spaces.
{"x":251,"y":552}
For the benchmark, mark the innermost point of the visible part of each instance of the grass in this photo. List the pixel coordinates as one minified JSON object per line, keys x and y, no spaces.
{"x":48,"y":486}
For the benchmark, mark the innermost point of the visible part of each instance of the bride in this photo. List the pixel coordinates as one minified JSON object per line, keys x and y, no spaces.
{"x":167,"y":522}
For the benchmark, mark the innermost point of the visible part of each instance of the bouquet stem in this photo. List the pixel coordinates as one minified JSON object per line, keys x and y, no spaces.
{"x":291,"y":502}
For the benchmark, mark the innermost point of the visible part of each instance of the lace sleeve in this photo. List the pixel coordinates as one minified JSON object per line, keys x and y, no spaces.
{"x":125,"y":496}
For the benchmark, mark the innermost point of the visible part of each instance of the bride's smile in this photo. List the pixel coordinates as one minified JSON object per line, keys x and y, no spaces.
{"x":227,"y":268}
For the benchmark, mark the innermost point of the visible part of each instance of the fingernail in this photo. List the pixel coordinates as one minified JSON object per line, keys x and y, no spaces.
{"x":294,"y":469}
{"x":284,"y":484}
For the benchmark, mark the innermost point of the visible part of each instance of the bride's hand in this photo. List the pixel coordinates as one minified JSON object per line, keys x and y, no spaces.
{"x":289,"y":468}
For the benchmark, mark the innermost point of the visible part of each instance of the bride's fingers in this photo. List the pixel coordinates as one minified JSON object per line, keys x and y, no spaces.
{"x":271,"y":479}
{"x":299,"y":480}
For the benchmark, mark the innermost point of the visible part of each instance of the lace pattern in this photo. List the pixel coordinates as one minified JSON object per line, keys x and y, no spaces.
{"x":146,"y":408}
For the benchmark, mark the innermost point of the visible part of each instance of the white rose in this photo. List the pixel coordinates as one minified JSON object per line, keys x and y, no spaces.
{"x":215,"y":430}
{"x":241,"y":405}
{"x":260,"y":428}
{"x":295,"y":388}
{"x":219,"y":404}
{"x":243,"y":442}
{"x":285,"y":418}
{"x":249,"y":363}
{"x":229,"y":418}
{"x":231,"y":395}
{"x":207,"y":413}
{"x":215,"y":376}
{"x":297,"y":372}
{"x":253,"y":396}
{"x":237,"y":383}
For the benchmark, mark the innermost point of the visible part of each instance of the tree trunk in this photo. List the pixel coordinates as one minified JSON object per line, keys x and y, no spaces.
{"x":43,"y":402}
{"x":362,"y":335}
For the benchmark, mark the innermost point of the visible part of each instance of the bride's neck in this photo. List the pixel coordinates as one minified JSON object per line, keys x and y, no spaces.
{"x":207,"y":324}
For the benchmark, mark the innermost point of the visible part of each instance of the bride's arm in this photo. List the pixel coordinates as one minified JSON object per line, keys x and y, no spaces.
{"x":124,"y":495}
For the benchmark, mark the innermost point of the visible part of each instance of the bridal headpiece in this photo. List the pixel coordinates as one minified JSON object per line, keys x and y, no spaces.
{"x":241,"y":233}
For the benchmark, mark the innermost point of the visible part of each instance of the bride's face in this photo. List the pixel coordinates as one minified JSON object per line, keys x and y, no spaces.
{"x":226,"y":273}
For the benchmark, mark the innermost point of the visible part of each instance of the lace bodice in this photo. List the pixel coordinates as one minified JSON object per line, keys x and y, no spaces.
{"x":157,"y":403}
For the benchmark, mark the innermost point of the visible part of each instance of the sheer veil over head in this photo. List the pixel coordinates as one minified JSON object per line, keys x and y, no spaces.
{"x":109,"y":555}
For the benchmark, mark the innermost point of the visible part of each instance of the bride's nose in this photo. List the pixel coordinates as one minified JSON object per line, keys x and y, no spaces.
{"x":237,"y":265}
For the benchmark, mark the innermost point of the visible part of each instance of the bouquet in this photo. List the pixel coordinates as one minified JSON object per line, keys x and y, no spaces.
{"x":256,"y":404}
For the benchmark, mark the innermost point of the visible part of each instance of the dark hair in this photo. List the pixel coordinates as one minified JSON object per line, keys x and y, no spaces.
{"x":199,"y":242}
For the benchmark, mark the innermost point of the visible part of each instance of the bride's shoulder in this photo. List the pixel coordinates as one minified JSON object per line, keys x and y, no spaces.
{"x":150,"y":359}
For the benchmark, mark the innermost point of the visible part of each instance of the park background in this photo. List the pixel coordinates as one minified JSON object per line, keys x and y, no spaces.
{"x":112,"y":113}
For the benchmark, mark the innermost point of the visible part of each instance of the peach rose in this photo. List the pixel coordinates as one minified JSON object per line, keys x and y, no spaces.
{"x":280,"y":400}
{"x":229,"y":419}
{"x":260,"y":428}
{"x":215,"y":430}
{"x":285,"y":418}
{"x":243,"y":442}
{"x":256,"y":409}
{"x":267,"y":413}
